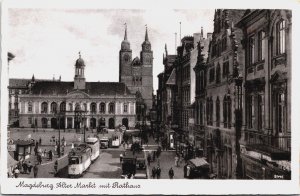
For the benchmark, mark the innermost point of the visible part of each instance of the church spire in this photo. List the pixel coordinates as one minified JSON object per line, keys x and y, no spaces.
{"x":125,"y":36}
{"x":166,"y":50}
{"x":146,"y":35}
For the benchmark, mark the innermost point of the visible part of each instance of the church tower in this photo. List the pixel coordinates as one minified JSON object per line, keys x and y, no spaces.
{"x":146,"y":56}
{"x":137,"y":73}
{"x":79,"y":79}
{"x":125,"y":58}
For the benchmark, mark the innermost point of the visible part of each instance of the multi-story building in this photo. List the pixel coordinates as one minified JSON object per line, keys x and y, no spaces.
{"x":220,"y":93}
{"x":137,"y":74}
{"x":77,"y":104}
{"x":200,"y":93}
{"x":18,"y":87}
{"x":266,"y":137}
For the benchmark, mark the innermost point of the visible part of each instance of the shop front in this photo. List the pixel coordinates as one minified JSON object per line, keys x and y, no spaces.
{"x":262,"y":169}
{"x":23,"y":149}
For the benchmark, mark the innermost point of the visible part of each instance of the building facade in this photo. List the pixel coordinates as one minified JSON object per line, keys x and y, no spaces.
{"x":219,"y":93}
{"x":137,"y":73}
{"x":266,"y":137}
{"x":76,"y":105}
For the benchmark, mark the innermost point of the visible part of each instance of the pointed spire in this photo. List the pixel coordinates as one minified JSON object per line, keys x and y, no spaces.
{"x":166,"y":50}
{"x":201,"y":31}
{"x":125,"y":36}
{"x":33,"y":78}
{"x":146,"y":35}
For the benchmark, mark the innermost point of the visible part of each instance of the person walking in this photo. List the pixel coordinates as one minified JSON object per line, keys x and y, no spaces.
{"x":35,"y":170}
{"x":40,"y":141}
{"x":50,"y":155}
{"x":149,"y":159}
{"x":171,"y":173}
{"x":153,"y":172}
{"x":158,"y":171}
{"x":176,"y":160}
{"x":29,"y":167}
{"x":55,"y":168}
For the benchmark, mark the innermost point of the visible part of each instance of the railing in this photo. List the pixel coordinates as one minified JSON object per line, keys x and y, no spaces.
{"x":268,"y":142}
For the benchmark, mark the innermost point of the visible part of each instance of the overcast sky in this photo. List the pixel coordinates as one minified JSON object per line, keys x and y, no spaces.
{"x":46,"y":42}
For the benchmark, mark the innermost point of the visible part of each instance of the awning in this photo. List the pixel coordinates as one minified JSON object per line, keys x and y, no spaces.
{"x":199,"y":162}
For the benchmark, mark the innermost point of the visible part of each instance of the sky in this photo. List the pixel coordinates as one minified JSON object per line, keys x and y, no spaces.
{"x":46,"y":42}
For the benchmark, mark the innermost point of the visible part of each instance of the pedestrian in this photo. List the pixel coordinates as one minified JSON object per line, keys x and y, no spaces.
{"x":25,"y":167}
{"x":154,"y":155}
{"x":55,"y":168}
{"x":39,"y":158}
{"x":16,"y":172}
{"x":40,"y":141}
{"x":29,"y":167}
{"x":121,"y":157}
{"x":153,"y":172}
{"x":176,"y":160}
{"x":55,"y":148}
{"x":50,"y":155}
{"x":149,"y":159}
{"x":185,"y":171}
{"x":35,"y":170}
{"x":171,"y":173}
{"x":158,"y":171}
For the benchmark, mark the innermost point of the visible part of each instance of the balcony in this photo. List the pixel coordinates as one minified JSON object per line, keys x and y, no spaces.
{"x":277,"y":147}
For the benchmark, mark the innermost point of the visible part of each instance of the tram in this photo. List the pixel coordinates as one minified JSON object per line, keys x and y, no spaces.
{"x":79,"y":160}
{"x":93,"y":142}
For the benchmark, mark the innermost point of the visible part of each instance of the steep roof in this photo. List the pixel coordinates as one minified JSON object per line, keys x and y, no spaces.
{"x":18,"y":83}
{"x":172,"y":78}
{"x":92,"y":88}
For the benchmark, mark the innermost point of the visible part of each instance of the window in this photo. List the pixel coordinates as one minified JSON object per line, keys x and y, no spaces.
{"x":77,"y":107}
{"x":211,"y":74}
{"x":44,"y":107}
{"x":250,"y":111}
{"x":85,"y":107}
{"x":102,"y":107}
{"x":71,"y":107}
{"x":260,"y":112}
{"x":111,"y":108}
{"x":251,"y":50}
{"x":225,"y":69}
{"x":209,"y":109}
{"x":280,"y":37}
{"x":125,"y":108}
{"x":201,"y":114}
{"x":218,"y":112}
{"x":93,"y":107}
{"x":255,"y":111}
{"x":53,"y":107}
{"x":62,"y":107}
{"x":261,"y":45}
{"x":227,"y":112}
{"x":280,"y":112}
{"x":29,"y":120}
{"x":218,"y":74}
{"x":30,"y":107}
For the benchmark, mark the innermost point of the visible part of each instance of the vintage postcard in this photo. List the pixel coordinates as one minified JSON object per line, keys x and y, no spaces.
{"x":132,"y":97}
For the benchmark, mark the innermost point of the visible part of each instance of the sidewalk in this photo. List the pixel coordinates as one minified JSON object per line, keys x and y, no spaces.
{"x":166,"y":161}
{"x":46,"y":169}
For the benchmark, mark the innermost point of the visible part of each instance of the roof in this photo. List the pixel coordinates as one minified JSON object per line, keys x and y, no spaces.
{"x":22,"y":83}
{"x":198,"y":162}
{"x":24,"y":142}
{"x":172,"y":79}
{"x":92,"y":88}
{"x":78,"y":150}
{"x":18,"y":83}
